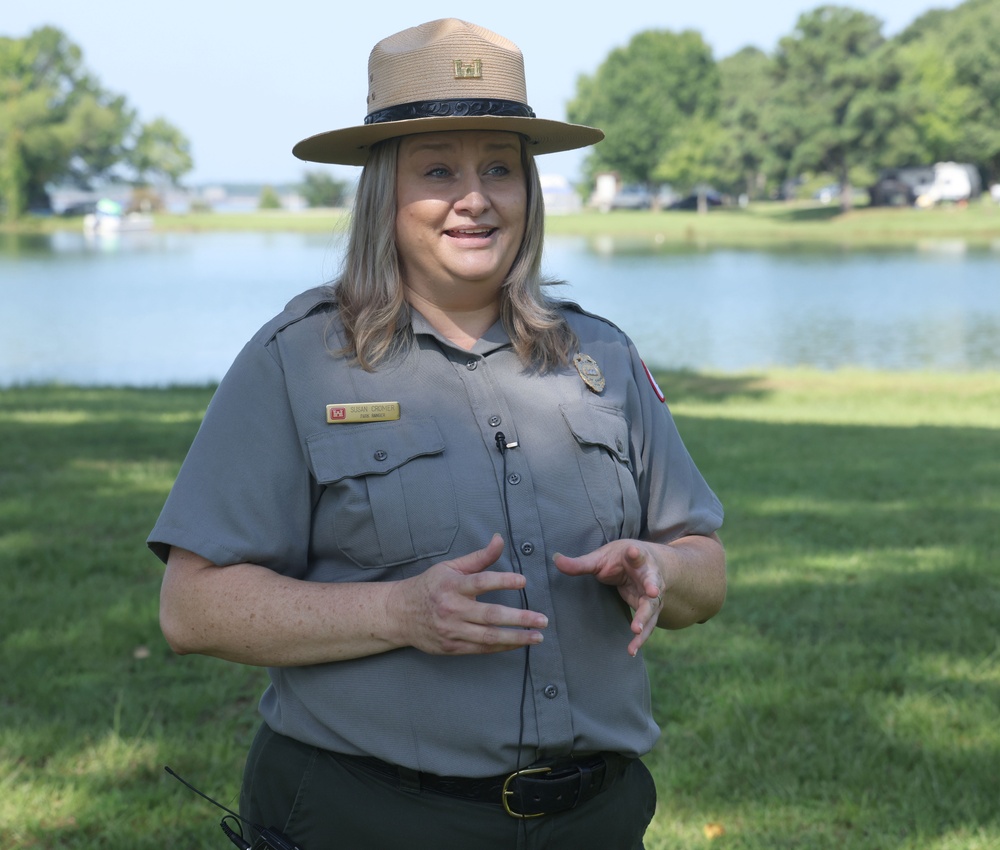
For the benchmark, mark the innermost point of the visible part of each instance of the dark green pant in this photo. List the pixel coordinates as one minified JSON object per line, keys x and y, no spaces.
{"x":323,"y":803}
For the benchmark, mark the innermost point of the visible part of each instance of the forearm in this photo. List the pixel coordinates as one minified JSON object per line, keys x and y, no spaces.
{"x":694,"y":574}
{"x":252,"y":615}
{"x":249,"y":614}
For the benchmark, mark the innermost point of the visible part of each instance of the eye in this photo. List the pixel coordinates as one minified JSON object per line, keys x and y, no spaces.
{"x":498,"y":171}
{"x":437,"y":171}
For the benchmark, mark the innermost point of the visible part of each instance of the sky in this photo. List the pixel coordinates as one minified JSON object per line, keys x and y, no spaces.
{"x":245,"y":81}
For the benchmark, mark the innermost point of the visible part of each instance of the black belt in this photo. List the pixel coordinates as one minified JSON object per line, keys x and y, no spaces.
{"x":543,"y":788}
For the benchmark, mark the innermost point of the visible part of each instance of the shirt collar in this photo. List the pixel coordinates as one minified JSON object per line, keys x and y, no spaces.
{"x":496,"y":336}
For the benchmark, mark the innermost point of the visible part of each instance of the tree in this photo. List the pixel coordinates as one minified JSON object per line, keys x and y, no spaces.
{"x":693,"y":161}
{"x":952,"y":64}
{"x":940,"y":103}
{"x":160,"y":149}
{"x":320,"y":189}
{"x":57,"y":124}
{"x":642,"y":95}
{"x":836,"y":104}
{"x":269,"y":199}
{"x":748,"y":161}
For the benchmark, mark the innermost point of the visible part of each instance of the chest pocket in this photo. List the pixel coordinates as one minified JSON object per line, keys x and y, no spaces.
{"x":393,"y":499}
{"x":603,"y":436}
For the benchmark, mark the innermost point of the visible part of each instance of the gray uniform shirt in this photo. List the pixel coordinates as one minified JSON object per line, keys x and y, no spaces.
{"x":269,"y":481}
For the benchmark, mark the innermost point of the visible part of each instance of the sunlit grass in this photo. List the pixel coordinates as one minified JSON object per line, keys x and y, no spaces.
{"x":788,"y":226}
{"x":846,"y":697}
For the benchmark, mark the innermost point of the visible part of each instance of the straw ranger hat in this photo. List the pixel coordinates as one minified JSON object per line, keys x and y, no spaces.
{"x":444,"y":75}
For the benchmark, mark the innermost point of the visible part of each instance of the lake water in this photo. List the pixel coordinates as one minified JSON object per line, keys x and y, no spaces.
{"x":151,"y":309}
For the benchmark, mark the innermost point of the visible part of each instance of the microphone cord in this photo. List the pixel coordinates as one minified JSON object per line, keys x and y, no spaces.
{"x":502,"y":447}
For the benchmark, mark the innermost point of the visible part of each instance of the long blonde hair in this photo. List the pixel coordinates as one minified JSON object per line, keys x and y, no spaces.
{"x":370,"y":295}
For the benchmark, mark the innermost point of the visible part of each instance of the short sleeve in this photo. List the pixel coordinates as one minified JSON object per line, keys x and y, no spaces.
{"x":244,"y":492}
{"x":676,"y":499}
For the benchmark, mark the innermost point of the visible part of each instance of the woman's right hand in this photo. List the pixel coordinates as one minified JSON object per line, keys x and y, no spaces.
{"x":438,"y":611}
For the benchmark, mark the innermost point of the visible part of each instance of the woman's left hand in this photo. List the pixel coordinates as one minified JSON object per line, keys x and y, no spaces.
{"x":665,"y":584}
{"x":631,"y":567}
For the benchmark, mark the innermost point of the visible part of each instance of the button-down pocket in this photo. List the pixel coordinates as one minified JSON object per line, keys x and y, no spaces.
{"x":394,"y":501}
{"x":603,"y":436}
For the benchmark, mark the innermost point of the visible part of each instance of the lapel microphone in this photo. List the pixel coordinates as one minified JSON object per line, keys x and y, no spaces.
{"x":501,"y":440}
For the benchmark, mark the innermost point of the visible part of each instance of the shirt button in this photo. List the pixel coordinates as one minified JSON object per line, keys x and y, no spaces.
{"x":551,"y":691}
{"x":513,"y":478}
{"x":381,"y":455}
{"x":620,"y":444}
{"x":527,"y":548}
{"x":472,"y":365}
{"x":494,"y":421}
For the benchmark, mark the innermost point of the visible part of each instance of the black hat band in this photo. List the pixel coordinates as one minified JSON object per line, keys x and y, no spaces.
{"x":451,"y":109}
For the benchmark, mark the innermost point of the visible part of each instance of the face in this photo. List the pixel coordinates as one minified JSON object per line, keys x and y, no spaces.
{"x":461,"y":203}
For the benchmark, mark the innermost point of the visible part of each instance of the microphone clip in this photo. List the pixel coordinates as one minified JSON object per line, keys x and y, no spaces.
{"x":502,"y":444}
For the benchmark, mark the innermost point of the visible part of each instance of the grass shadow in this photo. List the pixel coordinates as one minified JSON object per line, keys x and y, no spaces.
{"x":685,"y":385}
{"x":805,"y":214}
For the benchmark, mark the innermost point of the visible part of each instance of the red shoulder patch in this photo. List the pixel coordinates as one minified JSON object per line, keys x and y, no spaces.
{"x":653,"y":384}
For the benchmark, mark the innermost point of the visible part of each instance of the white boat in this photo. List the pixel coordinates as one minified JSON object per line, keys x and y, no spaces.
{"x":97,"y":223}
{"x":109,"y":218}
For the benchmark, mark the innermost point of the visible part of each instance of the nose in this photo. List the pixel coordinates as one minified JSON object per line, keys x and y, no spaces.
{"x":473,"y":199}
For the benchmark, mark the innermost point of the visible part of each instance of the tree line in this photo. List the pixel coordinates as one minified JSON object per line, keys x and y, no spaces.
{"x":836,"y":97}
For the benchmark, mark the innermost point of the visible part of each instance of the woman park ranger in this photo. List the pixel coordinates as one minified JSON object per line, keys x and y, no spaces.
{"x":443,"y":508}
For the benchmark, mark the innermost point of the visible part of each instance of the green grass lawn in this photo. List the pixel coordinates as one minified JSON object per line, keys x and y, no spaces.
{"x":848,"y":696}
{"x":777,"y":225}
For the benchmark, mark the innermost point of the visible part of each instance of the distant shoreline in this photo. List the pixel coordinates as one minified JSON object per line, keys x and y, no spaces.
{"x":762,"y":224}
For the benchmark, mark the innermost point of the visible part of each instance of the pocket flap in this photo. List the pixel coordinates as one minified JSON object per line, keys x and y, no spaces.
{"x":375,"y":448}
{"x":599,"y":426}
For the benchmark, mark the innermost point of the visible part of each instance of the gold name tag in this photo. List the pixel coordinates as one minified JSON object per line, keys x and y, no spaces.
{"x":372,"y":411}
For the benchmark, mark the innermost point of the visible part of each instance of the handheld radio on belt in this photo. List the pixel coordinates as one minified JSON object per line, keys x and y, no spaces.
{"x":267,"y":839}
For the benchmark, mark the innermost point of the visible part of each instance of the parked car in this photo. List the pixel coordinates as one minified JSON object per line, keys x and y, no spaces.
{"x":632,"y":198}
{"x":712,"y":199}
{"x":926,"y":185}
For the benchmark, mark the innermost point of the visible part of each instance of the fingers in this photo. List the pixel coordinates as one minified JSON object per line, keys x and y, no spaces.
{"x":608,"y":564}
{"x":445,"y":616}
{"x":646,"y":615}
{"x":481,"y":579}
{"x":626,"y":565}
{"x":496,"y":628}
{"x":484,"y":628}
{"x":479,"y":560}
{"x":574,"y":566}
{"x":492,"y":627}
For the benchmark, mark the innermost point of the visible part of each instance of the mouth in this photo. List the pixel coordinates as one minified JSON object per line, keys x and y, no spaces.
{"x":472,"y":232}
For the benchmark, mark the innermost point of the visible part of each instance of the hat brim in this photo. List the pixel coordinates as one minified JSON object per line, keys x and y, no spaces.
{"x":350,"y":146}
